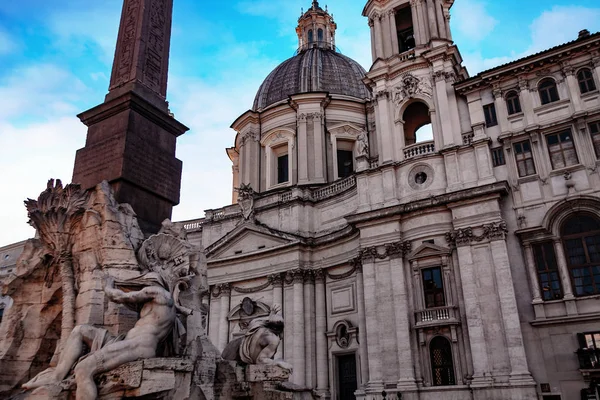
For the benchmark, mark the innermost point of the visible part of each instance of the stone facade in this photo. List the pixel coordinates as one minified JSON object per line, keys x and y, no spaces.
{"x":444,"y":268}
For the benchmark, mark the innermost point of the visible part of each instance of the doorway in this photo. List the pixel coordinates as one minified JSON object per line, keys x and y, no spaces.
{"x":347,"y":382}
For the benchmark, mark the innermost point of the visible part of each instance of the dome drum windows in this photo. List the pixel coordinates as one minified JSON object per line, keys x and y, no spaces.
{"x":278,"y":146}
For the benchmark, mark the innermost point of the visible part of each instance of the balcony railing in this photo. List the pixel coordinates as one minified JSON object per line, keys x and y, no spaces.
{"x":335,"y":188}
{"x":419,"y":149}
{"x":432,"y":315}
{"x":589,"y":358}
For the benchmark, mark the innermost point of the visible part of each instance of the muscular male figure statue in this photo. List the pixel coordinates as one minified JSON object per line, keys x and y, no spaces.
{"x":157,"y":318}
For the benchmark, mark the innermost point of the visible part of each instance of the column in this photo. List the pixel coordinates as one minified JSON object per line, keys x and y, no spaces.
{"x":224,"y":311}
{"x":439,"y":15}
{"x":384,"y":128}
{"x":573,"y":85}
{"x":510,"y":313}
{"x":302,"y":150}
{"x":393,"y":32}
{"x":373,"y":45}
{"x":444,"y":108}
{"x":215,"y":314}
{"x":433,"y":28}
{"x":406,"y":376}
{"x":378,"y":38}
{"x":416,"y":21}
{"x":373,"y":346}
{"x":526,"y":102}
{"x":321,"y":329}
{"x":481,"y":366}
{"x":596,"y":62}
{"x":309,"y":329}
{"x":298,"y":376}
{"x":362,"y":328}
{"x":422,"y":22}
{"x":563,"y":269}
{"x":538,"y":302}
{"x":277,"y":283}
{"x":318,"y":136}
{"x":533,"y":276}
{"x":387,"y":43}
{"x":501,"y":111}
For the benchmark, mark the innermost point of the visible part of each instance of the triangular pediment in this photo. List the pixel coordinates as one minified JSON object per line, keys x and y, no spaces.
{"x":428,"y":250}
{"x":247,"y":239}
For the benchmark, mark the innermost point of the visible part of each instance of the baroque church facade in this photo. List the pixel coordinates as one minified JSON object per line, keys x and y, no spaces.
{"x":460,"y":265}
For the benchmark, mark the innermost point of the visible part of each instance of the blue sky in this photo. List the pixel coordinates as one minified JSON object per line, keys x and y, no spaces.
{"x":55,"y":60}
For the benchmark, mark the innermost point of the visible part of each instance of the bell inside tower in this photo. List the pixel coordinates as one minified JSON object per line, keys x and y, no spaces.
{"x":405,"y":29}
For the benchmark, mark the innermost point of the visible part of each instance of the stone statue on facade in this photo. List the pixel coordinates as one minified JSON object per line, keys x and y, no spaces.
{"x":362,"y":144}
{"x":167,"y":270}
{"x":260,"y":342}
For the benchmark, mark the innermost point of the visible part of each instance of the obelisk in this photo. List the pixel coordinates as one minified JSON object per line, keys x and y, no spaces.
{"x":132,"y":136}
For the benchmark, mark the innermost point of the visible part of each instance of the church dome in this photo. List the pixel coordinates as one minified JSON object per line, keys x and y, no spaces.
{"x":316,"y":69}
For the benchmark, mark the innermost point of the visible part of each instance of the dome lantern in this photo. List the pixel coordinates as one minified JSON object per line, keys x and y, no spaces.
{"x":316,"y":28}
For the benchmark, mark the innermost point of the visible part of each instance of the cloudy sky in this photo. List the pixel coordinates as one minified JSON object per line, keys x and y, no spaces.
{"x":55,"y":60}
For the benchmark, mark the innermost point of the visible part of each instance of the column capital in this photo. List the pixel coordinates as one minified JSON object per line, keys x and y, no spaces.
{"x":319,"y":275}
{"x":466,"y":236}
{"x":276,"y":280}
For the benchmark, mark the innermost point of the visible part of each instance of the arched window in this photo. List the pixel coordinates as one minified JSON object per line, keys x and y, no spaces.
{"x":548,"y":91}
{"x":586,"y":80}
{"x":442,"y":367}
{"x":320,"y":35}
{"x":417,"y":124}
{"x":310,"y":36}
{"x":513,"y":103}
{"x":581,"y":240}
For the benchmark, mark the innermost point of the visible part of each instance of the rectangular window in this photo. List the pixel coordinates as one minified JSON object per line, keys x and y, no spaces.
{"x":490,"y":115}
{"x":524,"y":157}
{"x":562,"y":149}
{"x":433,"y":287}
{"x":404,"y":29}
{"x":282,"y":169}
{"x":345,"y":163}
{"x":498,"y":157}
{"x":589,"y":350}
{"x":547,"y":269}
{"x":595,"y":133}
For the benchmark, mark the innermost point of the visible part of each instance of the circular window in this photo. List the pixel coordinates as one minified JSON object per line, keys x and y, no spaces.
{"x":420,"y":177}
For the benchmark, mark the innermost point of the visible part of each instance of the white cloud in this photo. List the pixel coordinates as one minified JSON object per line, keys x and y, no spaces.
{"x":562,"y":24}
{"x":473,"y":21}
{"x":42,"y":90}
{"x":33,"y":155}
{"x":559,"y":25}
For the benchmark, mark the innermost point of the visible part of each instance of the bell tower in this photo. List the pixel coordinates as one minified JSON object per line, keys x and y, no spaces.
{"x":400,"y":26}
{"x":415,"y":64}
{"x":316,"y":28}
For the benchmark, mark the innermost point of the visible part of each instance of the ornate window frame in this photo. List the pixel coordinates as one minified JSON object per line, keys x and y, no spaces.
{"x":273,"y":142}
{"x":348,"y":133}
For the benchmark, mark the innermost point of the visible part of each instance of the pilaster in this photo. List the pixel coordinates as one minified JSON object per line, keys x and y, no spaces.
{"x":321,"y":329}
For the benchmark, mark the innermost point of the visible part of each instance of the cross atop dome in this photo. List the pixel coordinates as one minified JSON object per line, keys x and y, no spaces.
{"x":316,"y":28}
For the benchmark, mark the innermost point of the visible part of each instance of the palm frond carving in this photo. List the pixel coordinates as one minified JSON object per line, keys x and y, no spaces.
{"x":56,"y":215}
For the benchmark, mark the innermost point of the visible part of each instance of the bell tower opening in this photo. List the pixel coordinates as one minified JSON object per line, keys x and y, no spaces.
{"x":405,"y":29}
{"x":417,"y":123}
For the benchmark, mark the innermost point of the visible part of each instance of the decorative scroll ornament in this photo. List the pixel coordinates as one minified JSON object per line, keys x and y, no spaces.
{"x":396,"y":249}
{"x":410,"y":86}
{"x":466,"y":236}
{"x":342,"y":335}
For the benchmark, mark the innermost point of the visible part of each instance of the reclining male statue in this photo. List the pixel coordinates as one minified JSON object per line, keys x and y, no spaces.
{"x":260,"y":343}
{"x":160,"y":303}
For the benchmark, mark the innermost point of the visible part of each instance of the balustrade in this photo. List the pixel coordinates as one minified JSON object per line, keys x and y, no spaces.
{"x":419,"y":149}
